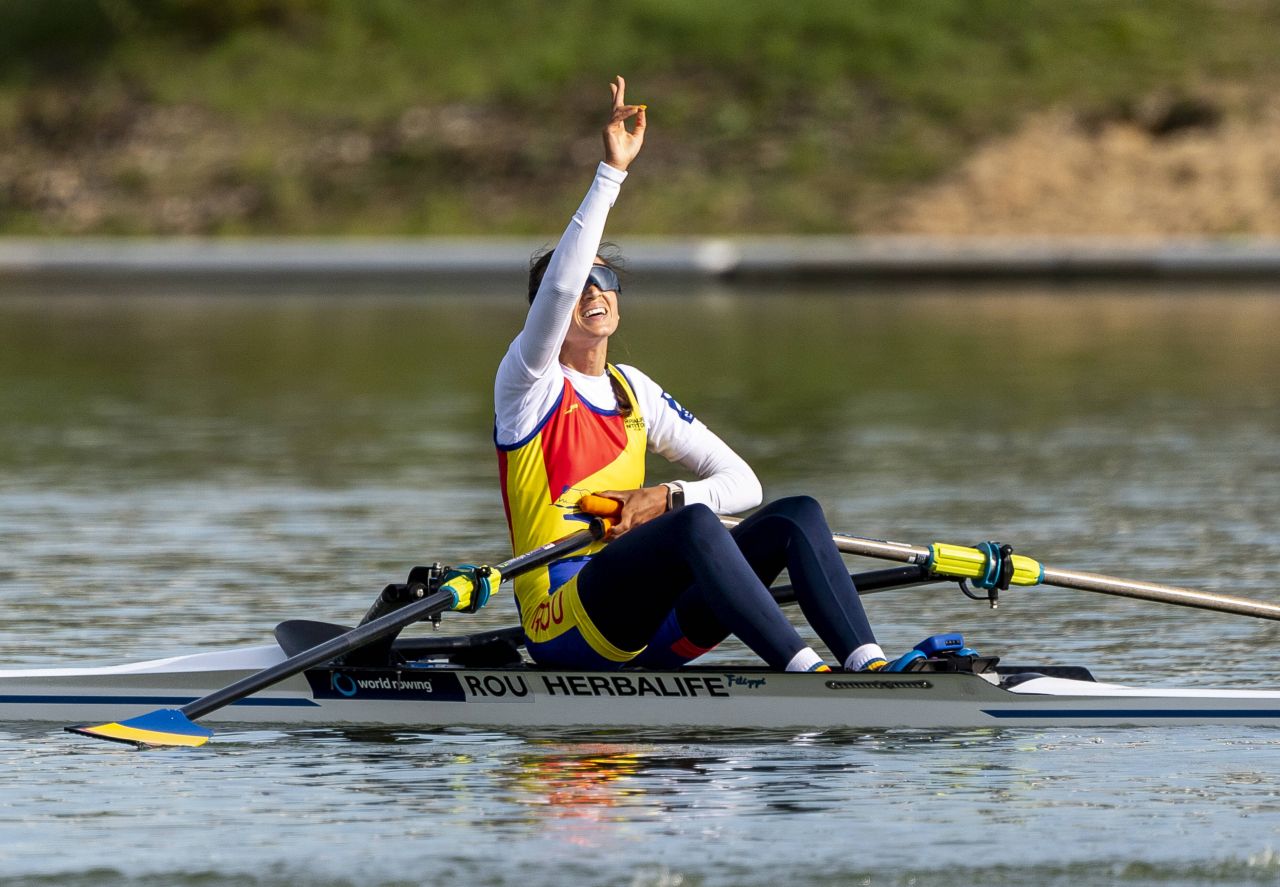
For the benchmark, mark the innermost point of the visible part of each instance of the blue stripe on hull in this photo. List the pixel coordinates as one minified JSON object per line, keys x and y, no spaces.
{"x":147,"y":700}
{"x":1010,"y":714}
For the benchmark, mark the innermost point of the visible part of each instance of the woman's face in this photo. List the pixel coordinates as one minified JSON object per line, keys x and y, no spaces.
{"x":596,"y":316}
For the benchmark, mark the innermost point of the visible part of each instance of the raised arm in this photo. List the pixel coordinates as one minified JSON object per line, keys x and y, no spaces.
{"x":538,"y":344}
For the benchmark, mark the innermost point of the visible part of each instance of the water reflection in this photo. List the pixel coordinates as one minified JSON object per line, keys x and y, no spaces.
{"x":573,"y":780}
{"x":584,"y":784}
{"x":741,"y":808}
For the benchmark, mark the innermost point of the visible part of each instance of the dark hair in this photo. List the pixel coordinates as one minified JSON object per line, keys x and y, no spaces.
{"x":608,"y":253}
{"x":612,"y":257}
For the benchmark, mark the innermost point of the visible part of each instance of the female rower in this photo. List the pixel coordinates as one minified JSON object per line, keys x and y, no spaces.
{"x":671,"y":582}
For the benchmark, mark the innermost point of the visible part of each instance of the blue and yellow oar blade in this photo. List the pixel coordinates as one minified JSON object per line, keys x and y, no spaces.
{"x":163,"y":727}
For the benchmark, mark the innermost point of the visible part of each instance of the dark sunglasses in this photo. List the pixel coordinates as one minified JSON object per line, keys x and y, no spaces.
{"x":604,"y":277}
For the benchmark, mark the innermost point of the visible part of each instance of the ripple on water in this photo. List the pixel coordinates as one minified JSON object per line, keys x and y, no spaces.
{"x":178,"y":473}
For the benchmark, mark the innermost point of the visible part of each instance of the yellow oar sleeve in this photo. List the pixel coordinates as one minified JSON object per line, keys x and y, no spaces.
{"x":471,"y":586}
{"x":962,"y":562}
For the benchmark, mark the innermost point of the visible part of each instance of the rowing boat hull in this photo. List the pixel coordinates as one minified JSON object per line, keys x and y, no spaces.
{"x":691,"y":698}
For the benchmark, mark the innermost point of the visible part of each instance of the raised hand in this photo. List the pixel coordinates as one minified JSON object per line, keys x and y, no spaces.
{"x":621,"y":146}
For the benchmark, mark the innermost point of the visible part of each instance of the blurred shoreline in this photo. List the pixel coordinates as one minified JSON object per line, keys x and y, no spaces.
{"x":131,"y":265}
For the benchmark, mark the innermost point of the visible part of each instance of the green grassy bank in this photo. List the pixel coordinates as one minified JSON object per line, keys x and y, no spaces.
{"x":409,"y":116}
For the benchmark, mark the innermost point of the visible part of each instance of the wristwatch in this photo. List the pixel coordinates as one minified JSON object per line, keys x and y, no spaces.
{"x":675,"y":495}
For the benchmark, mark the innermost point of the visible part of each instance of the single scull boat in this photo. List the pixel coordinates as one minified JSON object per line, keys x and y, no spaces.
{"x":323,"y":674}
{"x":435,"y":692}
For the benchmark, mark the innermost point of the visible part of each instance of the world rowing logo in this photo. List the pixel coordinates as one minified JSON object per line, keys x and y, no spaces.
{"x":383,"y":685}
{"x":343,"y":684}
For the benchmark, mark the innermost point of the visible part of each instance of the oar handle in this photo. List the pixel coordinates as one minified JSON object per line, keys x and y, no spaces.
{"x":601,"y":506}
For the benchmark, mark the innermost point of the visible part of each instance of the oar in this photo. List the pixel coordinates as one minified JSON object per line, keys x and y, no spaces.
{"x":961,"y":562}
{"x":176,"y":726}
{"x":985,"y":568}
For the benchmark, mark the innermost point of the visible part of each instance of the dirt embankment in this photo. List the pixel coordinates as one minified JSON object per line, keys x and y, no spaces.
{"x":1189,"y":167}
{"x":1184,"y":167}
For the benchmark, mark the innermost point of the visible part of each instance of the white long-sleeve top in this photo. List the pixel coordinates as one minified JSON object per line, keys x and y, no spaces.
{"x":531,"y":377}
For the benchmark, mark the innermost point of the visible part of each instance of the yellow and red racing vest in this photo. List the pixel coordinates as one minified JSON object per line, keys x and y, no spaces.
{"x":576,"y":449}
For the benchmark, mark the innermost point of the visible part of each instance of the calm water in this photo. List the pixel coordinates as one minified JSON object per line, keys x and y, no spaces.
{"x":186,"y":472}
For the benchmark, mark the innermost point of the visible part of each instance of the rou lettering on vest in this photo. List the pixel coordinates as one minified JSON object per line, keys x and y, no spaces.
{"x":548,"y":613}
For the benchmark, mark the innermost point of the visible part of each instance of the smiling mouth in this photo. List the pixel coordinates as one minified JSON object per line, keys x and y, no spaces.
{"x":593,"y":312}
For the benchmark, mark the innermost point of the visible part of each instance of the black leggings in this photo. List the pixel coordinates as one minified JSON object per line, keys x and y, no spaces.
{"x":713,"y":581}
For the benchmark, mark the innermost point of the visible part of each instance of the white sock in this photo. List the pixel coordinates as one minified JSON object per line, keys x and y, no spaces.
{"x":804,"y":660}
{"x":859,"y":658}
